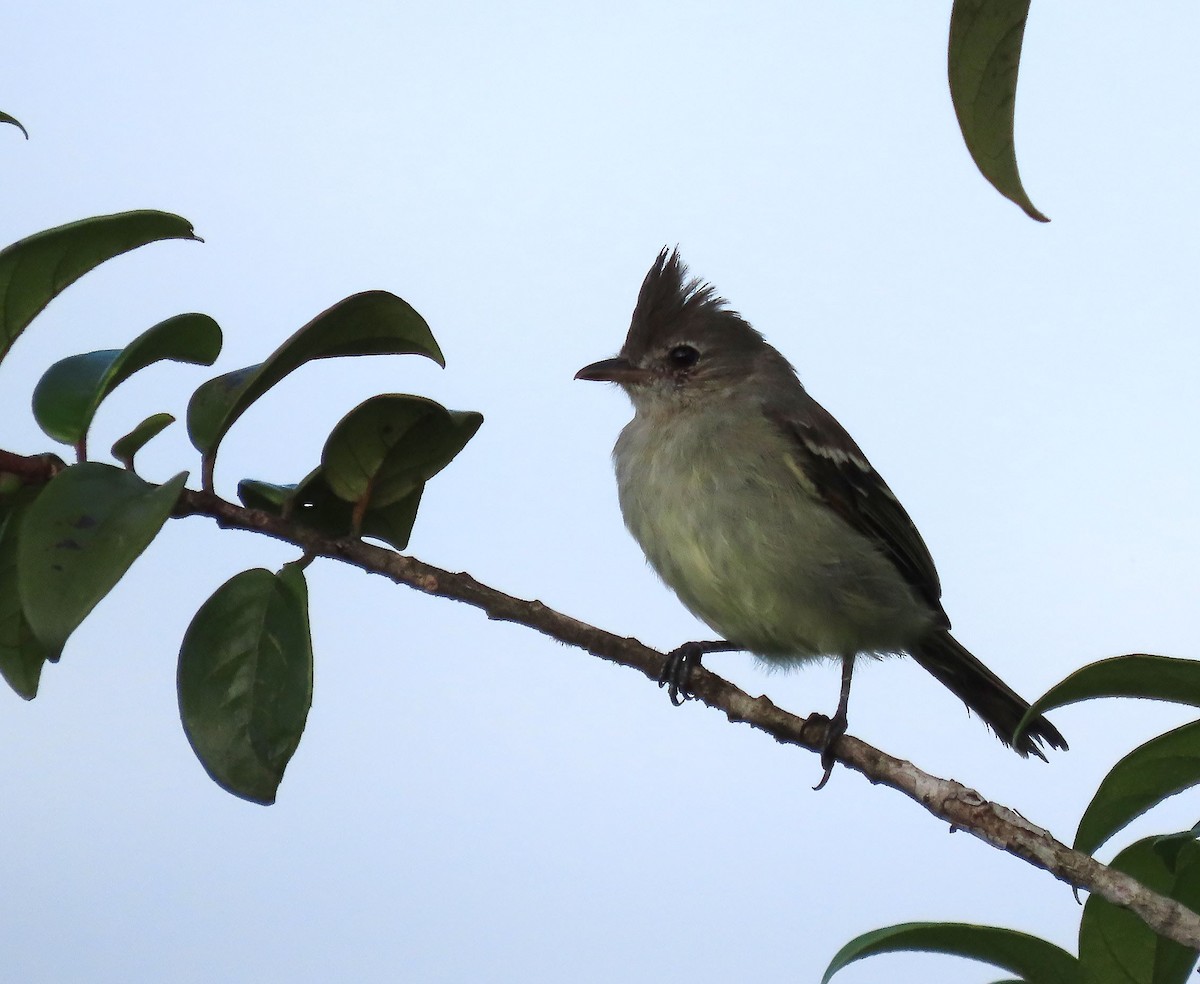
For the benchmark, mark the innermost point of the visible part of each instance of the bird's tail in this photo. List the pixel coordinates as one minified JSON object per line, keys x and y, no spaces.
{"x":986,"y":694}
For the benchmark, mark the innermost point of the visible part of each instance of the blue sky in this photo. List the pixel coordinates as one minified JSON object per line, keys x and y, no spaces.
{"x":472,"y":801}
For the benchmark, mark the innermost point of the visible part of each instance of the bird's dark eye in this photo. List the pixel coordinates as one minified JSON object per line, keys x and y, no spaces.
{"x":683,"y":356}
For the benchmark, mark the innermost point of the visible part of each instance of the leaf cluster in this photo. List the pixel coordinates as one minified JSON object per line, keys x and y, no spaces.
{"x":245,"y":663}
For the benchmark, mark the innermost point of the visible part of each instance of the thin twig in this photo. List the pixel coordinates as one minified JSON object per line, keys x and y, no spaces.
{"x":956,"y":804}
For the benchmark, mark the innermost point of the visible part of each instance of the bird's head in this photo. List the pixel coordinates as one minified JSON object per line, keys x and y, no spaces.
{"x":684,"y":342}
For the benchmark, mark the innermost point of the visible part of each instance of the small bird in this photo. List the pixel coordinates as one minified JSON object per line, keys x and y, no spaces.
{"x":758,"y":509}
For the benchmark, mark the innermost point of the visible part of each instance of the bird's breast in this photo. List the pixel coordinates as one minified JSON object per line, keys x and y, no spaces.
{"x":718,"y":508}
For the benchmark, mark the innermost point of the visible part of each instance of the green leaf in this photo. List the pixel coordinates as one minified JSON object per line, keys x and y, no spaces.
{"x":313,"y":504}
{"x":1169,"y":846}
{"x":393,"y":523}
{"x":374,"y":468}
{"x":36,"y":269}
{"x":70,"y":392}
{"x":390,"y":445}
{"x":256,"y":494}
{"x":21,"y":655}
{"x":1162,"y":767}
{"x":1116,"y":947}
{"x":5,"y":118}
{"x":1136,"y":675}
{"x":310,"y":502}
{"x":90,"y":523}
{"x":1034,"y":959}
{"x":371,"y":323}
{"x":127,"y":447}
{"x":245,"y":680}
{"x":984,"y":57}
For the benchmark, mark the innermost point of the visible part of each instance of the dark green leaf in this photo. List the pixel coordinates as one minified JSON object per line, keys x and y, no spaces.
{"x":1169,"y":846}
{"x":268,"y":497}
{"x":984,"y":57}
{"x":390,"y":445}
{"x":371,"y":323}
{"x":313,"y":504}
{"x":393,"y":522}
{"x":245,"y":680}
{"x":37,"y":269}
{"x":1116,"y":947}
{"x":310,"y":501}
{"x":90,"y":523}
{"x":1162,"y":767}
{"x":70,"y":392}
{"x":1034,"y":959}
{"x":21,"y":655}
{"x":1136,"y":675}
{"x":5,"y":118}
{"x":127,"y":447}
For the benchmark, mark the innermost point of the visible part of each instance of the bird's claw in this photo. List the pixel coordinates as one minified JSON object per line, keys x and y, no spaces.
{"x":677,"y":670}
{"x":835,"y":727}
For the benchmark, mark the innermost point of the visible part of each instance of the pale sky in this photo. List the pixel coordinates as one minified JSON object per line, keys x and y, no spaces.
{"x":472,"y":802}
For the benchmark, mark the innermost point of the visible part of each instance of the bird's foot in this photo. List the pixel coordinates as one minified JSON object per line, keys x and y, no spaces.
{"x":835,"y":727}
{"x":677,"y":670}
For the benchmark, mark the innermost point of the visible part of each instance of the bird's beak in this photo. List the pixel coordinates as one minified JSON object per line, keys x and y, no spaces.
{"x":613,"y":371}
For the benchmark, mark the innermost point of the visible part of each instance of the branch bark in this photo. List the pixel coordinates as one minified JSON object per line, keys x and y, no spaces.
{"x":960,"y":806}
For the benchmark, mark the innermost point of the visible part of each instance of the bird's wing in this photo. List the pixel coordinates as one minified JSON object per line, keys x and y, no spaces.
{"x":833,"y":468}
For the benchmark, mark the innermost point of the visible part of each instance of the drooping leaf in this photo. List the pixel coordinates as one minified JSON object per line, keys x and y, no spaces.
{"x":371,"y":323}
{"x":5,"y":118}
{"x":1135,"y":675}
{"x":86,"y":528}
{"x":313,"y":504}
{"x":39,"y":267}
{"x":245,"y":680}
{"x":22,"y":656}
{"x":984,"y":58}
{"x":69,"y":393}
{"x":393,"y":523}
{"x":390,"y":445}
{"x":126,"y":448}
{"x":1034,"y":959}
{"x":1116,"y":947}
{"x":1162,"y":767}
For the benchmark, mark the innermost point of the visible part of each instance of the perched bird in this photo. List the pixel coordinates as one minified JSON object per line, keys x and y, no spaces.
{"x":762,"y":514}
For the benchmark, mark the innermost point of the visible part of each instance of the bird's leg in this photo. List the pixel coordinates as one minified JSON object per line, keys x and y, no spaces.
{"x":836,"y":726}
{"x":678,"y":667}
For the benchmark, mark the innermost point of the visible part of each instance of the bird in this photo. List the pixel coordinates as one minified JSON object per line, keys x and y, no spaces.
{"x":762,"y":514}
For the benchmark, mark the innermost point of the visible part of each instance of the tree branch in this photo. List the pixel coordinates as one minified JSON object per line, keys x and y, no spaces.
{"x":960,"y":806}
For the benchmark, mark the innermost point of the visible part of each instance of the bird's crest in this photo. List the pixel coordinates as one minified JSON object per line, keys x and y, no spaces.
{"x":672,"y":304}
